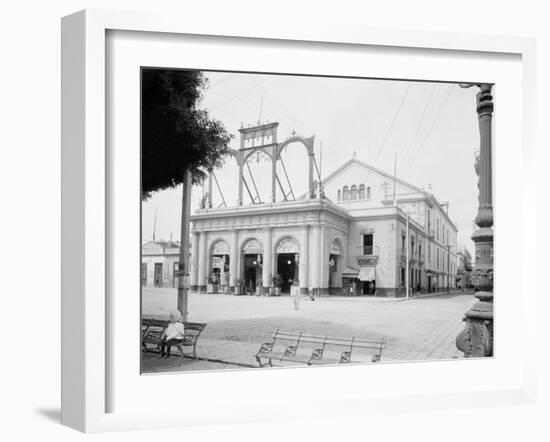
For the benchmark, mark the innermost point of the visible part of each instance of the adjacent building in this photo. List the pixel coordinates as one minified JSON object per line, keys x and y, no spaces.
{"x":159,"y":263}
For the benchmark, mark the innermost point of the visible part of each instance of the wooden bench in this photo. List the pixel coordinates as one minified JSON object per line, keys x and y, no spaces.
{"x":152,"y":330}
{"x":316,"y":350}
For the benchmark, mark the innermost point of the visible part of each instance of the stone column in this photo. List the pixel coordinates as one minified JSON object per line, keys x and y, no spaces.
{"x":316,"y":259}
{"x":476,"y":340}
{"x":323,"y":258}
{"x":233,"y":265}
{"x":304,"y":261}
{"x":203,"y":264}
{"x":195,"y":262}
{"x":267,"y":260}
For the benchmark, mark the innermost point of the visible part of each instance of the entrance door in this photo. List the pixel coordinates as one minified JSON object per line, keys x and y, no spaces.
{"x":252,"y":271}
{"x":144,"y":274}
{"x":158,"y":274}
{"x":286,"y":267}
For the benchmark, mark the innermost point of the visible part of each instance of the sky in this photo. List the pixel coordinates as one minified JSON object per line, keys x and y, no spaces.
{"x":431,"y":128}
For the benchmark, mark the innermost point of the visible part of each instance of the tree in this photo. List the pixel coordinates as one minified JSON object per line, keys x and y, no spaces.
{"x":175,"y":134}
{"x":178,"y":142}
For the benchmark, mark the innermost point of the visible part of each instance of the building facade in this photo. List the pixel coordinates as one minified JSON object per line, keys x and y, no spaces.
{"x":159,"y":263}
{"x":349,"y":235}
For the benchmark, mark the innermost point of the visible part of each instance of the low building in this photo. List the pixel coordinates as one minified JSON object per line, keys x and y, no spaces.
{"x":347,"y":235}
{"x":159,"y":263}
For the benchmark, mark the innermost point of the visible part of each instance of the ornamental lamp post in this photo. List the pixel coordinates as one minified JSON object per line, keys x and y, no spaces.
{"x":476,"y":340}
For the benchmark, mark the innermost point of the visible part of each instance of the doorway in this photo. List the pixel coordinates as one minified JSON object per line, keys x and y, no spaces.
{"x":158,"y":274}
{"x":286,"y":268}
{"x":252,"y":271}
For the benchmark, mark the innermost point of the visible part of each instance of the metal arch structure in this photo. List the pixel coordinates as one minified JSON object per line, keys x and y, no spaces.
{"x":263,"y":138}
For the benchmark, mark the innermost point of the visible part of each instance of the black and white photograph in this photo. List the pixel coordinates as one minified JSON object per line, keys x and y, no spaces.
{"x":304,"y":221}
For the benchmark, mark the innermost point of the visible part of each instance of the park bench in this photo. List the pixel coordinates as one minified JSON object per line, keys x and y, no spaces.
{"x":316,"y":350}
{"x":152,"y":330}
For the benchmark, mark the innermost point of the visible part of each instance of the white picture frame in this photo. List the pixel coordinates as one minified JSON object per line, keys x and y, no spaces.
{"x":86,"y":352}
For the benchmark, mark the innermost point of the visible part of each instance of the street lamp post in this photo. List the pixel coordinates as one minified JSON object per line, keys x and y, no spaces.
{"x":476,"y":340}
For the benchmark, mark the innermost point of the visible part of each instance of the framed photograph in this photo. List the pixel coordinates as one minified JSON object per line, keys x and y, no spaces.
{"x":268,"y":223}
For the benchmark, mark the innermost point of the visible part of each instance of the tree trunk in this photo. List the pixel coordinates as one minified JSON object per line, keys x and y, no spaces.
{"x":183,"y":267}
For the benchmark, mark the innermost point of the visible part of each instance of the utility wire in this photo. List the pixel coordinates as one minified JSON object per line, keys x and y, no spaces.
{"x":393,"y":122}
{"x":431,"y":127}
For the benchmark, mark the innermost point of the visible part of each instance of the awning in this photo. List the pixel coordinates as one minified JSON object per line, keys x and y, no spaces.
{"x":350,"y":272}
{"x":367,"y":273}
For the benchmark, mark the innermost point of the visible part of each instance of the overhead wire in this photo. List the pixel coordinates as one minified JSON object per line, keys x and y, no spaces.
{"x":437,"y":115}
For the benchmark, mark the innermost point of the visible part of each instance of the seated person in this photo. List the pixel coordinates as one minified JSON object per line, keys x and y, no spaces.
{"x":172,"y":335}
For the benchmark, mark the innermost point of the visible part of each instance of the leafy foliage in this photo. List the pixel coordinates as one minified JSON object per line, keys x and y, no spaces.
{"x":175,"y":135}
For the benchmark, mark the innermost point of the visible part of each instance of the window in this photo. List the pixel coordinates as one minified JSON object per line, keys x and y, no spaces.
{"x":354,"y":192}
{"x":339,"y":195}
{"x":368,"y":244}
{"x":346,"y":193}
{"x":362,"y":192}
{"x":368,"y":193}
{"x":429,"y":253}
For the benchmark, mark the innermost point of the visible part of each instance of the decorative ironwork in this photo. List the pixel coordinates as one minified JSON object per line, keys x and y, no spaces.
{"x":345,"y":357}
{"x":290,"y":350}
{"x":317,"y":354}
{"x":288,"y":245}
{"x":220,"y":248}
{"x":335,"y":248}
{"x":252,"y":247}
{"x":266,"y":347}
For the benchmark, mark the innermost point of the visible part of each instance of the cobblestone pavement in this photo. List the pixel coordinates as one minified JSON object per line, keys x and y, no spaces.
{"x":416,"y":329}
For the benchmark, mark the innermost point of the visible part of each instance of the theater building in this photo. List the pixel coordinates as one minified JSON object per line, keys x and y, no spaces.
{"x":350,"y":235}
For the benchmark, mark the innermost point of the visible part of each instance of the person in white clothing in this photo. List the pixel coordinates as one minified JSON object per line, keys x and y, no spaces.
{"x":173,"y":334}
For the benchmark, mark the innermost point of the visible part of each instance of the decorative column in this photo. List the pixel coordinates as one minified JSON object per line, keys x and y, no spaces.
{"x":476,"y":340}
{"x":316,"y":260}
{"x":323,"y":258}
{"x":267,"y":260}
{"x":203,"y":265}
{"x":304,"y":261}
{"x":195,"y":262}
{"x":233,"y":268}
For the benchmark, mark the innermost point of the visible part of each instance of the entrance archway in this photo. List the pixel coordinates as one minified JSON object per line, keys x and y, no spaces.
{"x":219,"y":263}
{"x":335,"y":266}
{"x":252,"y":259}
{"x":288,"y":258}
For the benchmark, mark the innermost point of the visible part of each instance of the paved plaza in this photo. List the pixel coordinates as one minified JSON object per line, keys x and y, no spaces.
{"x":415,"y":329}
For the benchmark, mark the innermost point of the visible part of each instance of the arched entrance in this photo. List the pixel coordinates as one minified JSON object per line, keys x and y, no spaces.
{"x":288,"y":258}
{"x":219,"y":263}
{"x":335,"y":266}
{"x":252,"y":258}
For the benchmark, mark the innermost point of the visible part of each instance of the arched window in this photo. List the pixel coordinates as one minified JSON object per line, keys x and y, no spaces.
{"x":368,"y":193}
{"x":346,"y":193}
{"x":362,"y":192}
{"x":354,"y":192}
{"x":339,"y":195}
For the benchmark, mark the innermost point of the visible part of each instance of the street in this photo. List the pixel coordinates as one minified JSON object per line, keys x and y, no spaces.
{"x":417,"y":329}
